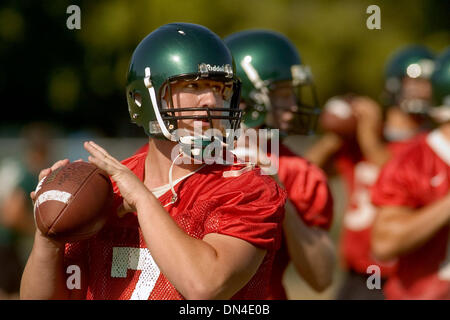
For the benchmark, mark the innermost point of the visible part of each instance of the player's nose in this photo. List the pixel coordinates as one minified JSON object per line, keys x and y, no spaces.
{"x":209,"y":99}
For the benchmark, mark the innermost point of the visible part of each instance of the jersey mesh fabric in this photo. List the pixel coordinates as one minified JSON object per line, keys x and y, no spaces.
{"x":119,"y":265}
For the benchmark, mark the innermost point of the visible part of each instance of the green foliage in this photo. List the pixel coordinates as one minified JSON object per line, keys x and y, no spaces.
{"x":331,"y":36}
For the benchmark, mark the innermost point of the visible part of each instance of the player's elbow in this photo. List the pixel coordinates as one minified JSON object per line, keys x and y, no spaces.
{"x":321,"y":284}
{"x":322,"y":277}
{"x":382,"y":250}
{"x":325,"y":272}
{"x":385,"y":243}
{"x":206,"y":289}
{"x":199,"y":293}
{"x":219,"y":285}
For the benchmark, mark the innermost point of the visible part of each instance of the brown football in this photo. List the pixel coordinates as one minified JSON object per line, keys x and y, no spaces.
{"x":72,"y":202}
{"x":338,"y":117}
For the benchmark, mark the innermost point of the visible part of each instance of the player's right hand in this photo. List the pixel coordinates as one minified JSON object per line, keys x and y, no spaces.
{"x":367,"y":111}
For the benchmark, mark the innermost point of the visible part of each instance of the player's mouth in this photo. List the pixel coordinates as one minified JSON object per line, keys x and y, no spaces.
{"x":199,"y":123}
{"x":204,"y":123}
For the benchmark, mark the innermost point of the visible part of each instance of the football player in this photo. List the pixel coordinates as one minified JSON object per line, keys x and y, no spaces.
{"x":412,"y":193}
{"x":407,"y":92}
{"x":273,"y":76}
{"x":185,"y":230}
{"x":358,"y":158}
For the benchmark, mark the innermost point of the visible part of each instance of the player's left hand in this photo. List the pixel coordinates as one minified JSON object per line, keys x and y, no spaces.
{"x":131,"y":188}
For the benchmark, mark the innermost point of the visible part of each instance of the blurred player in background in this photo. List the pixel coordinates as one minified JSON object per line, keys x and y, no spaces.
{"x":359,"y":143}
{"x":412,"y":193}
{"x":17,"y":211}
{"x":192,"y":230}
{"x":273,"y":78}
{"x":19,"y":177}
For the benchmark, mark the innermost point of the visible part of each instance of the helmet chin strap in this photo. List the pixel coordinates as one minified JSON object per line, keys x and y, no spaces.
{"x":174,"y":194}
{"x":186,"y":143}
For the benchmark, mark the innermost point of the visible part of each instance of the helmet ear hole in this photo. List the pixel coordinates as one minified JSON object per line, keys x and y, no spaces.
{"x":137,"y":98}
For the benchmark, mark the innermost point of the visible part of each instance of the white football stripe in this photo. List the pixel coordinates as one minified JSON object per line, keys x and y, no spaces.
{"x":55,"y":195}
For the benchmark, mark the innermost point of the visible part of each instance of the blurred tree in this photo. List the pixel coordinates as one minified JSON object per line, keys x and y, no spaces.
{"x":76,"y":77}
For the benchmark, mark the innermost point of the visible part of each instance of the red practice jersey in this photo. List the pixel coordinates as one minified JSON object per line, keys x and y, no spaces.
{"x":244,"y":205}
{"x":360,"y":176}
{"x":308,"y":191}
{"x":415,"y":179}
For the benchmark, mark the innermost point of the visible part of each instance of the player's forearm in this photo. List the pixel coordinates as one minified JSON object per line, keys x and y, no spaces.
{"x":372,"y":147}
{"x":311,"y":250}
{"x":398,"y":230}
{"x":190,"y":264}
{"x":322,"y":150}
{"x":43,"y":277}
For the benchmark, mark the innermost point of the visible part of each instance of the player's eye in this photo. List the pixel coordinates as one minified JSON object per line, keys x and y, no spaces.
{"x":227,"y":92}
{"x":217,"y":88}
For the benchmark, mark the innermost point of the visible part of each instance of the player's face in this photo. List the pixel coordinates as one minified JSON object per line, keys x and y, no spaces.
{"x":400,"y":125}
{"x":416,"y":89}
{"x":200,"y":94}
{"x":284,"y":103}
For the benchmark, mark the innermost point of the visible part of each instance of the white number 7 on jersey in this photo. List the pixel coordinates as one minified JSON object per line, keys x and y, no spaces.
{"x":126,"y":258}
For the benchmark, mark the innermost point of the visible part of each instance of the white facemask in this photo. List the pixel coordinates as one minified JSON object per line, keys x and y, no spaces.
{"x":395,"y":134}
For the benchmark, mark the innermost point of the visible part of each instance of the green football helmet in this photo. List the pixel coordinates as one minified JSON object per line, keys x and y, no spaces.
{"x":172,"y":53}
{"x":440,"y":81}
{"x":414,"y":62}
{"x":264,"y":59}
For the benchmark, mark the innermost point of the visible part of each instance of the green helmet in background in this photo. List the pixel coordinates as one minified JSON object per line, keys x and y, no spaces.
{"x":414,"y":62}
{"x":440,"y":81}
{"x":263,"y":59}
{"x":178,"y":52}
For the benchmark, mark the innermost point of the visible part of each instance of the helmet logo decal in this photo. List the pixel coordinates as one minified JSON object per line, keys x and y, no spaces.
{"x":205,"y":68}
